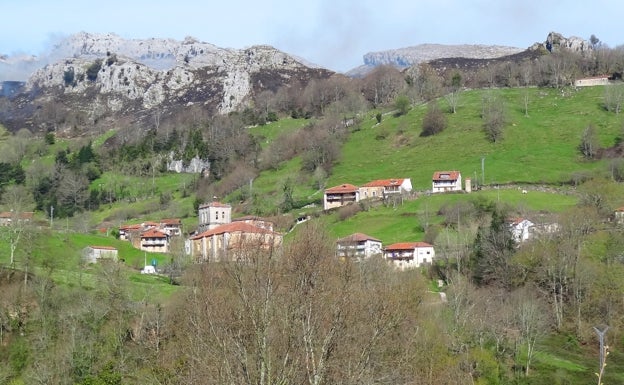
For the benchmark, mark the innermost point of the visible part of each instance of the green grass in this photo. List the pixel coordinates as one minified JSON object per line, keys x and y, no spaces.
{"x":58,"y":254}
{"x":271,"y":131}
{"x":540,"y":148}
{"x":405,"y":223}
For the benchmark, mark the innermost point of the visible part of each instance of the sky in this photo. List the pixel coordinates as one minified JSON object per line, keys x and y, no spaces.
{"x":332,"y":33}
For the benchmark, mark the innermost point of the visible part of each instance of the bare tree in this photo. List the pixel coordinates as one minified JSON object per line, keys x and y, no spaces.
{"x":17,"y":199}
{"x":494,"y":117}
{"x":614,"y":97}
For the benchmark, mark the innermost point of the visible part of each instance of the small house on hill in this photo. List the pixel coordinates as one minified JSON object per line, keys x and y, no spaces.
{"x":600,"y":80}
{"x":154,"y":241}
{"x":358,"y":245}
{"x":341,"y":195}
{"x":406,"y":255}
{"x":382,"y":188}
{"x":171,"y":226}
{"x":7,"y":218}
{"x":446,"y":181}
{"x":521,"y":229}
{"x":91,"y":254}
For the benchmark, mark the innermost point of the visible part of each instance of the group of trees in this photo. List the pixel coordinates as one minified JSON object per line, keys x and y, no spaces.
{"x":298,"y":314}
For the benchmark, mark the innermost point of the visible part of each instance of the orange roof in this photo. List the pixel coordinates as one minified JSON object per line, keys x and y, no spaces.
{"x":357,"y":237}
{"x":620,"y":209}
{"x":407,"y":245}
{"x":171,"y":221}
{"x":384,"y":183}
{"x":153,"y":234}
{"x":233,"y":227}
{"x":129,"y":227}
{"x":446,"y":175}
{"x":103,"y":247}
{"x":515,"y":221}
{"x":342,"y":189}
{"x":24,"y":215}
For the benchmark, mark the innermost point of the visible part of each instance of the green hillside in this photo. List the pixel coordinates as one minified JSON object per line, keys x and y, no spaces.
{"x":539,"y":148}
{"x":538,"y":151}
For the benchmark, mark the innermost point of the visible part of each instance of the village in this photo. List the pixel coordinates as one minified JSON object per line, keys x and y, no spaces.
{"x":220,"y":237}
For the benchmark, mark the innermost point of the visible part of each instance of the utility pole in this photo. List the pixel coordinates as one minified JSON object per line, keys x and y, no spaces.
{"x":604,"y":350}
{"x":51,"y":216}
{"x":483,"y":170}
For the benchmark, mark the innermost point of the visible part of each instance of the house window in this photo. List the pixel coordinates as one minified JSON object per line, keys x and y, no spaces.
{"x":428,"y":252}
{"x":223,"y":214}
{"x":216,"y":215}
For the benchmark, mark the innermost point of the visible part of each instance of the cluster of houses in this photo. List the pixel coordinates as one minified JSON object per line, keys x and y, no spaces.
{"x":345,"y":194}
{"x":219,"y":237}
{"x":403,"y":255}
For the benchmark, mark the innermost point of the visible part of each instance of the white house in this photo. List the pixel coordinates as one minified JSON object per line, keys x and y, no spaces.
{"x":91,"y":254}
{"x":407,"y":255}
{"x":383,"y":188}
{"x":358,"y":245}
{"x":445,"y":181}
{"x":521,"y":229}
{"x":601,"y":80}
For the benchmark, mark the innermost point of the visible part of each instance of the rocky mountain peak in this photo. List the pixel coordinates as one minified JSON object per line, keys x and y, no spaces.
{"x":105,"y":74}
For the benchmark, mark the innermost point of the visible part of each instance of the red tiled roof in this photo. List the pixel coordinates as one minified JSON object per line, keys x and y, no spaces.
{"x":515,"y":221}
{"x":357,"y":237}
{"x":153,"y":234}
{"x":407,"y":245}
{"x":446,"y":175}
{"x":24,"y":215}
{"x":384,"y":183}
{"x":342,"y":189}
{"x":129,"y":227}
{"x":233,"y":227}
{"x":171,"y":221}
{"x":103,"y":247}
{"x":620,"y":209}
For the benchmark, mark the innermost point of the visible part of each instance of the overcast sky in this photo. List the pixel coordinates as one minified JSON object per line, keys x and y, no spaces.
{"x":332,"y":33}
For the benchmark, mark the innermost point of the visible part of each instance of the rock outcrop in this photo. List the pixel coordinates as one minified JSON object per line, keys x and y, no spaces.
{"x":105,"y":74}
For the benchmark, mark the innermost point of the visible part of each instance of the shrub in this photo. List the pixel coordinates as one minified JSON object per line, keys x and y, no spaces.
{"x":346,"y":212}
{"x":94,"y":69}
{"x":402,"y":105}
{"x":434,"y":121}
{"x":68,"y":76}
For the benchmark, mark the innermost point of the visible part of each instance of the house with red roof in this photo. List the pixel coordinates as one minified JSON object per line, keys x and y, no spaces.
{"x":10,"y":217}
{"x":232,"y":241}
{"x":406,"y":255}
{"x":341,"y":195}
{"x":446,"y":181}
{"x":154,"y":241}
{"x":127,"y":231}
{"x":383,"y":188}
{"x":171,"y":226}
{"x":358,"y":245}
